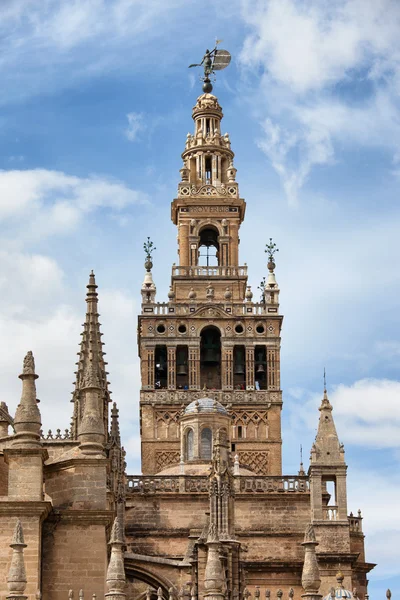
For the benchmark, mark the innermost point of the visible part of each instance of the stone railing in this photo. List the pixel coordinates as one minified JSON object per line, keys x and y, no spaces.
{"x":236,"y":309}
{"x":331,"y":513}
{"x":355,"y":523}
{"x":200,"y":271}
{"x":181,"y":484}
{"x":268,"y":483}
{"x":178,"y":397}
{"x":58,"y":436}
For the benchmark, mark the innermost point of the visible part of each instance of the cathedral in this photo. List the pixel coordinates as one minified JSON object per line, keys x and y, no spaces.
{"x":212,"y":516}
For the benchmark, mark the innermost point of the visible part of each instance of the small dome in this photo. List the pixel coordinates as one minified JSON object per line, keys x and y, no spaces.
{"x":340,"y":591}
{"x":205,"y":405}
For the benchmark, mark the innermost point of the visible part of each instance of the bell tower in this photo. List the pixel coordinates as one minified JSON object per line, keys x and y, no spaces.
{"x":210,"y":339}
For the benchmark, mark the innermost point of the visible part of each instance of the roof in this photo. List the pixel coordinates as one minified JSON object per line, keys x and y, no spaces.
{"x":205,"y":405}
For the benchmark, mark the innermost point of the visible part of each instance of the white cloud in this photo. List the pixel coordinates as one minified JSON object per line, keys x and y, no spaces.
{"x":366,"y":413}
{"x":135,"y":125}
{"x":306,"y":52}
{"x":44,"y":202}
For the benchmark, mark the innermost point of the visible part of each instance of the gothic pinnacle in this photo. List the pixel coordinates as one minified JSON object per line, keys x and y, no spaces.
{"x":91,"y":387}
{"x":115,"y":573}
{"x":27,"y":422}
{"x":16,"y":580}
{"x":310,"y":579}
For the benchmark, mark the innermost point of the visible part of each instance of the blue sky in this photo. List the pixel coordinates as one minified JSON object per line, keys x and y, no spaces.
{"x":95,"y":105}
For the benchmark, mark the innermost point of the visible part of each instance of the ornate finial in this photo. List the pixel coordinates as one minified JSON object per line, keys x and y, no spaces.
{"x":116,"y":573}
{"x":271,"y":250}
{"x":29,"y":364}
{"x":291,"y":593}
{"x":149,"y":248}
{"x":267,"y":594}
{"x":114,"y":430}
{"x":81,"y":595}
{"x":310,"y":579}
{"x":279,"y":593}
{"x":16,"y":580}
{"x":71,"y":595}
{"x":388,"y":594}
{"x":301,"y":470}
{"x":339,"y":578}
{"x":159,"y":594}
{"x":213,"y":60}
{"x":324,"y":380}
{"x":257,"y":592}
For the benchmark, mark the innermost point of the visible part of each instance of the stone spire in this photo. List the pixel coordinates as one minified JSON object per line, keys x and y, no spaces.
{"x":214,"y":576}
{"x":91,"y":395}
{"x":116,"y":573}
{"x":5,"y":420}
{"x":16,"y":580}
{"x":271,"y":290}
{"x":27,"y":422}
{"x":327,"y":449}
{"x":116,"y":455}
{"x":310,"y":579}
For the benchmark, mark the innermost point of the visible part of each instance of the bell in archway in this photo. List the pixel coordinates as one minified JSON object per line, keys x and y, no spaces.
{"x":181,"y":370}
{"x":260,"y":370}
{"x":239,"y":369}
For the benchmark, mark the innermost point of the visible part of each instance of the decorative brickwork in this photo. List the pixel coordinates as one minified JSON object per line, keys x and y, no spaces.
{"x":256,"y":461}
{"x":166,"y":458}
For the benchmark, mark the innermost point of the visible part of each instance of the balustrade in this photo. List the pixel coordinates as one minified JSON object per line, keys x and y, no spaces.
{"x":146,"y":484}
{"x":201,"y":271}
{"x":331,"y":513}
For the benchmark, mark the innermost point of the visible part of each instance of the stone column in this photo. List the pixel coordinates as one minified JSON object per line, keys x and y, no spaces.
{"x":184,"y":244}
{"x":227,"y":364}
{"x":194,"y":368}
{"x":171,"y":367}
{"x":250,"y":380}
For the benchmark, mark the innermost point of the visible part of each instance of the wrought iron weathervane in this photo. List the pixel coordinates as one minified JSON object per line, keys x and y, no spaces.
{"x":213,"y":60}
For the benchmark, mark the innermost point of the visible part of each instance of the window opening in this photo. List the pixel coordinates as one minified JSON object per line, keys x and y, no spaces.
{"x":182,"y":371}
{"x":239,"y":367}
{"x":210,"y":358}
{"x":160,"y":367}
{"x":206,"y":444}
{"x":209,"y":247}
{"x":240,"y":432}
{"x":260,"y":363}
{"x":208,"y":169}
{"x":189,"y":444}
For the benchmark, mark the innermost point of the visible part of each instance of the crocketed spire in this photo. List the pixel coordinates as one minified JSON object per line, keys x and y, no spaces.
{"x":90,"y":414}
{"x":27,"y":422}
{"x":327,"y":448}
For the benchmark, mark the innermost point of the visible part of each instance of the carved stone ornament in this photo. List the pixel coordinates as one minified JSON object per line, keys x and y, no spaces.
{"x":29,"y":364}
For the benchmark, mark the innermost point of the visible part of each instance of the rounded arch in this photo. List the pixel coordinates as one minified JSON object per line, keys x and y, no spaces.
{"x":209,"y":245}
{"x":189,"y":443}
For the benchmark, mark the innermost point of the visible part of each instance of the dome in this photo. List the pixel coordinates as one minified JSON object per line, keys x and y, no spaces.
{"x":205,"y":405}
{"x":340,"y":591}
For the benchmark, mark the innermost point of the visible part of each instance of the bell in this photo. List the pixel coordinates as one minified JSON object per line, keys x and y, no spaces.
{"x":181,"y":370}
{"x":211,"y":355}
{"x":160,"y":367}
{"x":239,"y":369}
{"x":260,"y":369}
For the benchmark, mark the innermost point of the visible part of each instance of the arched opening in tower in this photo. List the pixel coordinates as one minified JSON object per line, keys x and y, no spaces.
{"x":210,"y":358}
{"x":209,"y":247}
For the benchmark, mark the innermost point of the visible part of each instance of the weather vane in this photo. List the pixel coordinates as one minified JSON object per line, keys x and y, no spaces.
{"x":213,"y":60}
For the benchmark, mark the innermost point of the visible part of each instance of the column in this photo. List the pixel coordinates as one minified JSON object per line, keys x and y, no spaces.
{"x":250,"y":380}
{"x":194,"y":368}
{"x":227,"y":364}
{"x":171,"y":367}
{"x":184,"y":244}
{"x":147,"y":365}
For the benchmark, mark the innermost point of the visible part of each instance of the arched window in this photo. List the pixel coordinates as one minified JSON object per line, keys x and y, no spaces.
{"x":189,"y":444}
{"x":210,"y":358}
{"x":209,"y":247}
{"x":206,"y":443}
